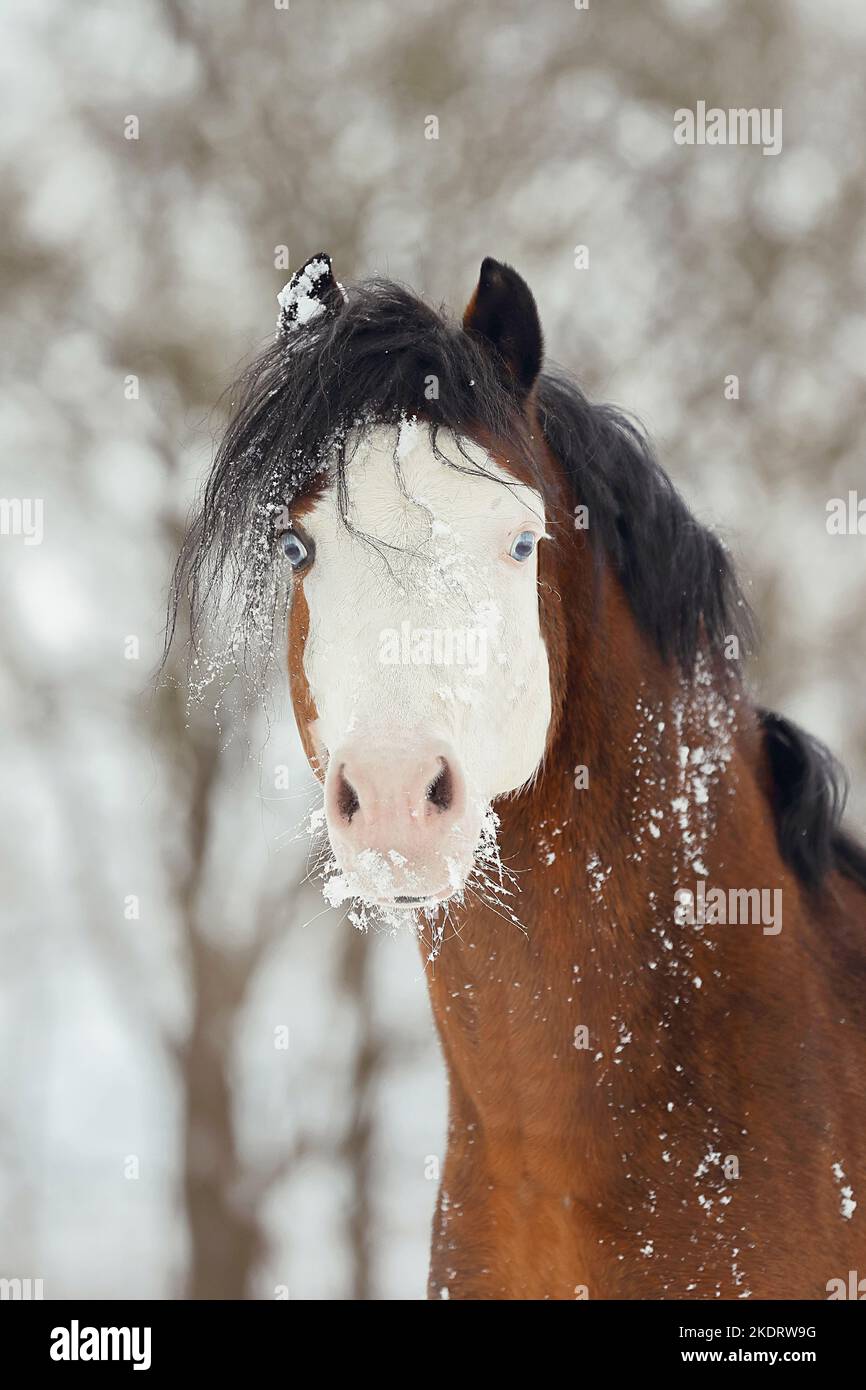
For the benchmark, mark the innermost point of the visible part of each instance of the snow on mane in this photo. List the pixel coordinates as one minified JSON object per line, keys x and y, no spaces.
{"x":299,"y":300}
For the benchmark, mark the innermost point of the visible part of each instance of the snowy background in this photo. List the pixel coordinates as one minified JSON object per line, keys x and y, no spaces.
{"x":161,"y":1133}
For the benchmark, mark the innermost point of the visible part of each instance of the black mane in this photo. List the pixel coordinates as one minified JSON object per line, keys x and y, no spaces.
{"x":677,"y":575}
{"x":387,"y":355}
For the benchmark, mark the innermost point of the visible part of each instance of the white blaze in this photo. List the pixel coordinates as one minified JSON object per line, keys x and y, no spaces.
{"x":420,"y":621}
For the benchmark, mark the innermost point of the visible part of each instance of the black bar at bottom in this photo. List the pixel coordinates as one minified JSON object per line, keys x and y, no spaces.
{"x":83,"y":1338}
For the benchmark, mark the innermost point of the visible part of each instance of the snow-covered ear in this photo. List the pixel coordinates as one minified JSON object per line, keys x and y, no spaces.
{"x":311,"y":291}
{"x":502,"y":311}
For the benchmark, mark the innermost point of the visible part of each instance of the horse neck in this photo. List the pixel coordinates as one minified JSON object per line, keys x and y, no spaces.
{"x":673,"y":796}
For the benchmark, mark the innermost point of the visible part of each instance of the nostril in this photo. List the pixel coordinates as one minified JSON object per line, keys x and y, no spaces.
{"x":440,"y":792}
{"x":347,"y":797}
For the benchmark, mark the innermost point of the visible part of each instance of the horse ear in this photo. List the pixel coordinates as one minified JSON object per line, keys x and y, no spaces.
{"x":502,"y":311}
{"x":312,"y":291}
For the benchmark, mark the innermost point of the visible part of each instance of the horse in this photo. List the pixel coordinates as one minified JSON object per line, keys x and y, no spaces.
{"x":516,"y":662}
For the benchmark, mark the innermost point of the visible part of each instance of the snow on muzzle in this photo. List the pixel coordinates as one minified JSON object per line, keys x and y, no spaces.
{"x":401,"y":825}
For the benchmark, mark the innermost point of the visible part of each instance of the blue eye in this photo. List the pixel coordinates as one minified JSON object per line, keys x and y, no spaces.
{"x":294,"y":549}
{"x":522,"y":546}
